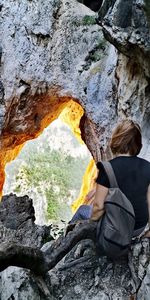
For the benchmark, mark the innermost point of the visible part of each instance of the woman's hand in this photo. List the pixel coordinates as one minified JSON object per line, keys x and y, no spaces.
{"x":147,"y":234}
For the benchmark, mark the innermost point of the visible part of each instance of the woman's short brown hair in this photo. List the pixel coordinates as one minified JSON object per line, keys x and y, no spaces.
{"x":126,"y":138}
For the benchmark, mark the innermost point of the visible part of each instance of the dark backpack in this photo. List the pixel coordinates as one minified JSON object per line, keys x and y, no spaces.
{"x":115,"y":228}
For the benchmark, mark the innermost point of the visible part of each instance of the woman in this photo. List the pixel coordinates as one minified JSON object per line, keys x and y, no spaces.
{"x":132,"y":174}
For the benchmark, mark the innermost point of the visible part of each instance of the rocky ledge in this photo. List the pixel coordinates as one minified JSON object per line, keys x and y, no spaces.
{"x":81,"y":274}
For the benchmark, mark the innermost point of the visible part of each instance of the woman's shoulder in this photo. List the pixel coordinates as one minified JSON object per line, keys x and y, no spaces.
{"x":145,"y":164}
{"x":135,"y":159}
{"x":129,"y":161}
{"x":143,"y":161}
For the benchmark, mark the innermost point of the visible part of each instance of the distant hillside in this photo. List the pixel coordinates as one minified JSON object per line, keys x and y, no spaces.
{"x":49,"y":169}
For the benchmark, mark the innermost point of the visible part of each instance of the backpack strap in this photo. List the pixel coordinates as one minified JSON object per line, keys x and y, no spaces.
{"x":110,"y":173}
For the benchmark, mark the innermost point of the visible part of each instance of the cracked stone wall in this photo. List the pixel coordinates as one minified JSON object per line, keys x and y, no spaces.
{"x":53,"y":52}
{"x":132,"y":39}
{"x":44,"y":48}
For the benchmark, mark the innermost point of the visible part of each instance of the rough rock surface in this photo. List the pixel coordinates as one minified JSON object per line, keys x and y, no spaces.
{"x":17,"y":225}
{"x":44,"y":45}
{"x":53,"y":51}
{"x":126,"y":27}
{"x":17,"y":222}
{"x":80,"y":275}
{"x":50,"y":53}
{"x":47,"y":49}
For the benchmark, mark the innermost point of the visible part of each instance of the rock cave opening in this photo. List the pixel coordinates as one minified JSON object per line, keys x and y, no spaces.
{"x":56,"y":169}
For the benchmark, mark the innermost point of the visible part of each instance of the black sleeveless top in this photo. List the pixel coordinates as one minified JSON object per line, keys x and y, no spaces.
{"x":133,"y":177}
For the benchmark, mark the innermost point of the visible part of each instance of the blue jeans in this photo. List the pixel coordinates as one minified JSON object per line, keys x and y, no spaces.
{"x":84,"y":212}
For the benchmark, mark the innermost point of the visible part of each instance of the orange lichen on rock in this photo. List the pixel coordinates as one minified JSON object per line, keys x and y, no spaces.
{"x":2,"y":179}
{"x":38,"y":114}
{"x":88,"y":184}
{"x":71,"y":115}
{"x":6,"y":157}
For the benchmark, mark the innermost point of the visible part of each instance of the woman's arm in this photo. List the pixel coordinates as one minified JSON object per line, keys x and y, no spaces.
{"x":98,"y":204}
{"x":89,"y":198}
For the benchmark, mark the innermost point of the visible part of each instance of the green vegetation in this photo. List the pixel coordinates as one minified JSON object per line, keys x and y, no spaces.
{"x":54,"y":168}
{"x":102,"y":44}
{"x":85,"y":21}
{"x":88,"y":20}
{"x":53,"y":206}
{"x":95,"y":55}
{"x":49,"y":169}
{"x":54,"y":174}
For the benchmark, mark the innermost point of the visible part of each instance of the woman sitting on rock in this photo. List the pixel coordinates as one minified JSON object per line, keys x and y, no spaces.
{"x":132,"y":174}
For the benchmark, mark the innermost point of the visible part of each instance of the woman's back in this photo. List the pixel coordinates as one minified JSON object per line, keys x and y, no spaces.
{"x":133,"y":177}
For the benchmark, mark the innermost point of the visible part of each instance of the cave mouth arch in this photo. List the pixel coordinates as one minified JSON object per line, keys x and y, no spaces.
{"x":71,"y":115}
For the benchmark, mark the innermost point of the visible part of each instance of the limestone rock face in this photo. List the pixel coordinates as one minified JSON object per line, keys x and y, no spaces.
{"x":126,"y":26}
{"x":80,"y":275}
{"x":47,"y":49}
{"x":126,"y":82}
{"x":17,"y":225}
{"x":44,"y":45}
{"x":17,"y":222}
{"x":52,"y":52}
